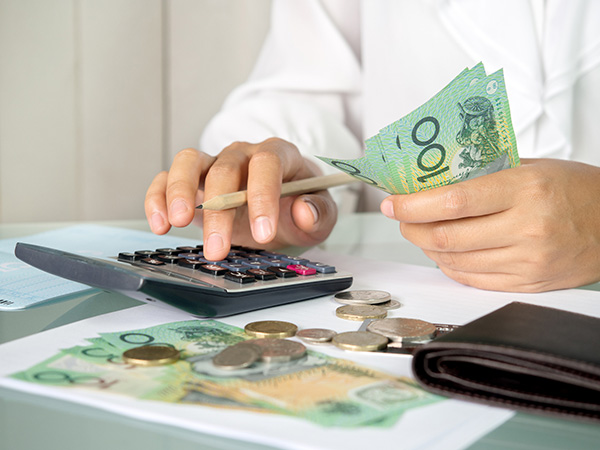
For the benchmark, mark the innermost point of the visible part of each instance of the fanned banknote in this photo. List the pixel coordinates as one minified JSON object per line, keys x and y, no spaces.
{"x":463,"y":132}
{"x":328,"y":391}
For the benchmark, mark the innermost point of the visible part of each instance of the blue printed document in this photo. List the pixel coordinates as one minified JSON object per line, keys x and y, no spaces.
{"x":23,"y":286}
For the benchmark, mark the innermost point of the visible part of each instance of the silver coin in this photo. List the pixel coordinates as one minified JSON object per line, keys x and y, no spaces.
{"x":279,"y":350}
{"x":360,"y":341}
{"x":316,"y":335}
{"x":390,"y":304}
{"x":364,"y":297}
{"x":237,"y":356}
{"x":403,"y":330}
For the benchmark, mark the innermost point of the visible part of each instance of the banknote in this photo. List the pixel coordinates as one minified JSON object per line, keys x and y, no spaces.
{"x":462,"y":132}
{"x":328,"y":391}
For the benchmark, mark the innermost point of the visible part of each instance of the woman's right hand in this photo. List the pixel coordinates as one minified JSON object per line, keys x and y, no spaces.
{"x":267,"y":221}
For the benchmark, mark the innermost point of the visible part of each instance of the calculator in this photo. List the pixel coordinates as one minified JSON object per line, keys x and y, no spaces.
{"x":248,"y":279}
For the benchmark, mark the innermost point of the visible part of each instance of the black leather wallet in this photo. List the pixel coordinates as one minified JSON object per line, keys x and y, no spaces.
{"x":522,"y":357}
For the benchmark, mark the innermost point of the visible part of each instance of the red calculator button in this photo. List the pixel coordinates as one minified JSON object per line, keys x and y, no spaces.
{"x":301,"y":269}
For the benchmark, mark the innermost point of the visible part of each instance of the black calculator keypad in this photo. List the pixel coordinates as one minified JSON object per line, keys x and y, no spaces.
{"x":242,"y":266}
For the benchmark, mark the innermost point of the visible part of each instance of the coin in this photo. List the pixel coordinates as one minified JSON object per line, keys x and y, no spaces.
{"x":151,"y":355}
{"x":403,"y":330}
{"x":316,"y":335}
{"x":360,"y":341}
{"x":364,"y":297}
{"x":271,"y":329}
{"x":279,"y":350}
{"x":360,"y":312}
{"x":237,"y":356}
{"x":390,"y":304}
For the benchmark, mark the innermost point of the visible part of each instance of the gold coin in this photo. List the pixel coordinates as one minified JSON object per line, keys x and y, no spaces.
{"x":151,"y":355}
{"x":271,"y":329}
{"x":403,"y":330}
{"x":360,"y":312}
{"x":360,"y":341}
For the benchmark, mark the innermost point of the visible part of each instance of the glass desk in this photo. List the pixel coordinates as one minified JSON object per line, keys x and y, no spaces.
{"x":29,"y":421}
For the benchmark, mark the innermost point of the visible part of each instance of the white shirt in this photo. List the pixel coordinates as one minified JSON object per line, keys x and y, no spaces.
{"x":333,"y":72}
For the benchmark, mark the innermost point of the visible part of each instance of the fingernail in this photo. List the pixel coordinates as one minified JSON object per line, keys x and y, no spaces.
{"x":263,"y":229}
{"x":387,"y":208}
{"x":313,"y":209}
{"x":178,"y":207}
{"x":214,"y":243}
{"x":156,"y":221}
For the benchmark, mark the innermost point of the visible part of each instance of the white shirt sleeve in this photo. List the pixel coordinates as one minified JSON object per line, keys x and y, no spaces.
{"x":305,"y":81}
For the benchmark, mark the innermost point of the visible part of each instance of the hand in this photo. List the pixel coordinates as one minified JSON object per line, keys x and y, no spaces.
{"x":267,"y":221}
{"x":532,"y":228}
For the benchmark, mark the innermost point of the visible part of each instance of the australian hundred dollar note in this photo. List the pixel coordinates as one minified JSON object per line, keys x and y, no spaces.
{"x":463,"y":132}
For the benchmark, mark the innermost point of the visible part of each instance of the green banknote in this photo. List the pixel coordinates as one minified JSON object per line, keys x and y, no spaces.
{"x":328,"y":391}
{"x":462,"y":132}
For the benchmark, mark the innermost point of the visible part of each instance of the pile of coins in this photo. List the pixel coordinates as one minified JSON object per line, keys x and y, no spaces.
{"x":269,"y":343}
{"x":371,"y":307}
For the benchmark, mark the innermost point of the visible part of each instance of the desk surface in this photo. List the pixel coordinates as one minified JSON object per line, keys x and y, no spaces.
{"x":28,"y":421}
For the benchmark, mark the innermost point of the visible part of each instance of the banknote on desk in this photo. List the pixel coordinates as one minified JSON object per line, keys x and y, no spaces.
{"x":325,"y":390}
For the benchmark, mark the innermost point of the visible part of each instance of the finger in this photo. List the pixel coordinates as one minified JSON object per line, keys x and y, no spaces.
{"x":227,"y":174}
{"x":480,"y":196}
{"x":315,"y":215}
{"x":497,"y":281}
{"x":499,"y":260}
{"x":155,"y":204}
{"x":271,"y":162}
{"x":183,"y":181}
{"x":462,"y":235}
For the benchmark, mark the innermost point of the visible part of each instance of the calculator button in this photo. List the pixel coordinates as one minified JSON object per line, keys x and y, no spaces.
{"x":168,"y":251}
{"x":200,"y":247}
{"x":152,"y":261}
{"x":188,"y":249}
{"x":171,"y":259}
{"x":262,"y":274}
{"x":234,"y":267}
{"x":236,"y":259}
{"x":146,"y":253}
{"x":240,"y":277}
{"x":282,"y":272}
{"x":254,"y":256}
{"x":256,"y":264}
{"x":213,"y":269}
{"x":294,"y":259}
{"x":301,"y":269}
{"x":190,"y":255}
{"x":127,"y":256}
{"x":320,"y":267}
{"x":275,"y":262}
{"x":190,"y":263}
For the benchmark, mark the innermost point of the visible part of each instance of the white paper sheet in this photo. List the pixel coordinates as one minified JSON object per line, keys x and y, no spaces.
{"x":424,"y":293}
